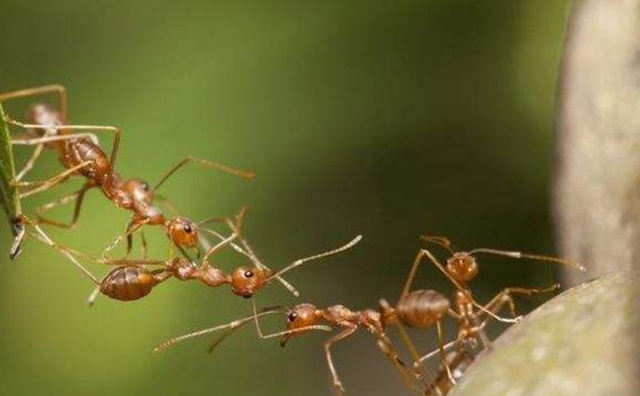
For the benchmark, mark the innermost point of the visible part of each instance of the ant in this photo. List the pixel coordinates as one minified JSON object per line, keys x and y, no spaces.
{"x":462,"y":267}
{"x":132,"y":280}
{"x":417,"y":309}
{"x":458,"y":362}
{"x":80,"y":155}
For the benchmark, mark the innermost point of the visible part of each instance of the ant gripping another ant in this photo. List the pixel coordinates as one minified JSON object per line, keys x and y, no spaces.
{"x":81,"y":155}
{"x":421,"y":309}
{"x":132,"y":280}
{"x":417,"y":309}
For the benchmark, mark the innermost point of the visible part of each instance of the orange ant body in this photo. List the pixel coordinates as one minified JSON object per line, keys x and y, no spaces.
{"x":81,"y":155}
{"x":132,"y":280}
{"x":417,"y":309}
{"x":460,"y":268}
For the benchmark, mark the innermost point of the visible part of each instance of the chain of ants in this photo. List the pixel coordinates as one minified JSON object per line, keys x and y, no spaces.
{"x":80,"y":154}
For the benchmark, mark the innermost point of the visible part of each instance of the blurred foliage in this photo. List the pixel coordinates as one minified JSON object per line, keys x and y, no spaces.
{"x":388,"y":119}
{"x":8,"y":193}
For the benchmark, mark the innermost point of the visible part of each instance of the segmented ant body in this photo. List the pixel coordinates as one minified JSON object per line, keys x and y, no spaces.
{"x":129,"y":282}
{"x":81,"y":155}
{"x":461,"y":268}
{"x":132,"y":279}
{"x":417,"y":309}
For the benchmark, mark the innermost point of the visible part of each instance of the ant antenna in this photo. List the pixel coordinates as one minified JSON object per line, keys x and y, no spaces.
{"x":519,"y":255}
{"x":231,"y":327}
{"x":256,"y":315}
{"x":210,"y":164}
{"x":440,"y":241}
{"x":299,"y":262}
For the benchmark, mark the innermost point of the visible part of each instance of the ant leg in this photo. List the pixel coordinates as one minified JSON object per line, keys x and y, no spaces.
{"x":408,"y":377}
{"x":210,"y":164}
{"x":62,"y":105}
{"x":45,"y":89}
{"x":52,"y":182}
{"x":77,"y":196}
{"x":144,"y":247}
{"x":132,"y":228}
{"x":39,"y":143}
{"x":460,"y":360}
{"x":95,"y":128}
{"x":506,"y":297}
{"x":337,"y":384}
{"x":30,"y":163}
{"x":437,"y":351}
{"x":463,"y":289}
{"x":412,"y":273}
{"x":443,"y":354}
{"x":237,"y":227}
{"x":414,"y":353}
{"x":44,"y":238}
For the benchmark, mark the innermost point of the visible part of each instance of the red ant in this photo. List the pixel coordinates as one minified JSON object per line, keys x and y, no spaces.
{"x":81,"y":155}
{"x":460,"y":268}
{"x":417,"y":309}
{"x":132,"y":280}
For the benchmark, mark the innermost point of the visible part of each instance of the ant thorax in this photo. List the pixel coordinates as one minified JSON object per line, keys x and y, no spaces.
{"x":462,"y":266}
{"x":372,"y":320}
{"x":340,"y":313}
{"x":182,"y":268}
{"x":140,"y":192}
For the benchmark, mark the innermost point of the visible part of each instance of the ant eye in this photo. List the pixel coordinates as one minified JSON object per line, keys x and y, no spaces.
{"x":248,"y":274}
{"x":145,"y":186}
{"x":292,"y":316}
{"x":187,"y":228}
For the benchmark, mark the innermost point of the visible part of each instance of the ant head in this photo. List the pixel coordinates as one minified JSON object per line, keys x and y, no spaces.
{"x":246,"y":281}
{"x":183,"y":232}
{"x":462,"y":266}
{"x":301,"y":316}
{"x":139,"y":190}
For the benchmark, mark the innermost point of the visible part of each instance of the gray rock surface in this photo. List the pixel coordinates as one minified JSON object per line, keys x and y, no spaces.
{"x":583,"y":342}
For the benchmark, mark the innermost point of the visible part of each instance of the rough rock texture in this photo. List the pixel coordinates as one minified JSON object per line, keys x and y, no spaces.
{"x":581,"y":343}
{"x":597,"y":183}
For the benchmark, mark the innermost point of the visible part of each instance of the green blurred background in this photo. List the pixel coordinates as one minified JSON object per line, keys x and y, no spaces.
{"x":383,"y":118}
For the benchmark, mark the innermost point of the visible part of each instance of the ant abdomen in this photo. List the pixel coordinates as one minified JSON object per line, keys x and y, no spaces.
{"x":83,"y":150}
{"x":128,"y":283}
{"x":422,"y":308}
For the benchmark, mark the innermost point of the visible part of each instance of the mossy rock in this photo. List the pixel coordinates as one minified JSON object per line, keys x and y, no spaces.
{"x":583,"y":342}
